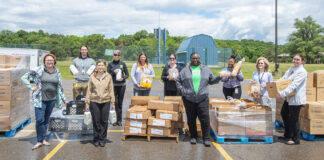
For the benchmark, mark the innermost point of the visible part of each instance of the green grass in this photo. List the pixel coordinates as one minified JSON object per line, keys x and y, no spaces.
{"x":247,"y":69}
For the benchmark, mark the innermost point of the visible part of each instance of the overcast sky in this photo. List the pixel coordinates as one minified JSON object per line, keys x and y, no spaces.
{"x":222,"y":19}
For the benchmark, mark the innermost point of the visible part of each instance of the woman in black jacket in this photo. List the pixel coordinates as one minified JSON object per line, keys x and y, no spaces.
{"x":169,"y":75}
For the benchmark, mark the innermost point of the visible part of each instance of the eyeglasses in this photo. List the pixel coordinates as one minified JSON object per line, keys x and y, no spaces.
{"x":260,"y":63}
{"x":49,"y":60}
{"x":117,"y":55}
{"x":172,"y":58}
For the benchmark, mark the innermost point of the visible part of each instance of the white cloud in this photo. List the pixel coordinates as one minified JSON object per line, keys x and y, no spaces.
{"x":221,"y":19}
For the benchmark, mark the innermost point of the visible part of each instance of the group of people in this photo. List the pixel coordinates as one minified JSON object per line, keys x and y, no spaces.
{"x":103,"y":89}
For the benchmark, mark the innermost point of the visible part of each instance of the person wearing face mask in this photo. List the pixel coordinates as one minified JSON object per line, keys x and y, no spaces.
{"x":232,"y":85}
{"x":292,"y":104}
{"x":262,"y":76}
{"x":140,"y":69}
{"x":118,"y":70}
{"x":169,"y":75}
{"x":100,"y":94}
{"x":47,"y":93}
{"x":192,"y":83}
{"x":82,"y":67}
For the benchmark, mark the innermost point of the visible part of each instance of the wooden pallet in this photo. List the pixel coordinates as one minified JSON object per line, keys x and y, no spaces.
{"x":163,"y":138}
{"x":134,"y":137}
{"x":148,"y":138}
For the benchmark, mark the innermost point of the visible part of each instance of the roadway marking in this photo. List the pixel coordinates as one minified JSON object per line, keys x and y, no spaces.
{"x":221,"y":150}
{"x":31,"y":131}
{"x":53,"y":152}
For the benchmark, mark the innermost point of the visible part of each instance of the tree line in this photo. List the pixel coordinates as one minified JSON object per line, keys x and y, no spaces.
{"x":308,"y":40}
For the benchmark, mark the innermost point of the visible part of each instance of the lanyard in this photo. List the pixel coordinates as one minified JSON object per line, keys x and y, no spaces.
{"x":260,"y":79}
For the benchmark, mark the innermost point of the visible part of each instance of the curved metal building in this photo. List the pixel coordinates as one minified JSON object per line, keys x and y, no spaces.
{"x":203,"y":44}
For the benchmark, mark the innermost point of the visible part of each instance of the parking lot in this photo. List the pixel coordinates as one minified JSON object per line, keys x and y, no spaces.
{"x":19,"y":147}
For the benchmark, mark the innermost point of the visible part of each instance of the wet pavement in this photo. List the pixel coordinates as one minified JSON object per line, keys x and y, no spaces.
{"x":19,"y":147}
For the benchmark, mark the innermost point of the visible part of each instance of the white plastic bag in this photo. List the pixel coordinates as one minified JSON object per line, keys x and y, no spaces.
{"x":91,"y":69}
{"x":87,"y":118}
{"x":119,"y":74}
{"x":112,"y":116}
{"x":74,"y":70}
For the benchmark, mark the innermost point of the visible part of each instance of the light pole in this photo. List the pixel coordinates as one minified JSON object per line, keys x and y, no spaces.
{"x":276,"y":40}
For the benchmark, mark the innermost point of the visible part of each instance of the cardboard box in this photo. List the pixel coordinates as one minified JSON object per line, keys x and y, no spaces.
{"x":5,"y":93}
{"x":138,"y":112}
{"x":278,"y":117}
{"x":169,"y":115}
{"x":4,"y":59}
{"x":161,"y":131}
{"x":176,"y":99}
{"x":5,"y":123}
{"x":311,"y":94}
{"x":163,"y":105}
{"x":134,"y":131}
{"x":275,"y":87}
{"x":220,"y":102}
{"x":4,"y":108}
{"x":199,"y":131}
{"x":314,"y":126}
{"x":319,"y":78}
{"x":259,"y":128}
{"x":231,"y":128}
{"x":160,"y":122}
{"x":320,"y":94}
{"x":310,"y":80}
{"x":279,"y":104}
{"x":138,"y":123}
{"x":143,"y":100}
{"x":313,"y":110}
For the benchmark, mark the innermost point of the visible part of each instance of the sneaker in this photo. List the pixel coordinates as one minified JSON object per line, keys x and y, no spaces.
{"x":207,"y":143}
{"x":119,"y":123}
{"x":193,"y":141}
{"x":96,"y":144}
{"x":37,"y":145}
{"x":115,"y":124}
{"x":45,"y":143}
{"x":102,"y":144}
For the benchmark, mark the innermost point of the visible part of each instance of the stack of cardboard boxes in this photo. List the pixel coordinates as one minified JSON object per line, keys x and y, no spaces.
{"x":14,"y":96}
{"x":240,"y":118}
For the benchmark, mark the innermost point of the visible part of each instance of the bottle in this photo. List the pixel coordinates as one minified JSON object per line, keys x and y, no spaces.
{"x":112,"y":116}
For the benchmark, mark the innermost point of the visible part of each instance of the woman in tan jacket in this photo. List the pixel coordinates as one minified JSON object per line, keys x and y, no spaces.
{"x":100,"y":94}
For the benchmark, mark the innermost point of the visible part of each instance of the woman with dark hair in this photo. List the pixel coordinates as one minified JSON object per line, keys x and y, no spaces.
{"x":292,"y":105}
{"x":193,"y":82}
{"x":139,"y":70}
{"x":47,"y":93}
{"x":82,"y":67}
{"x":119,"y":73}
{"x":169,"y":75}
{"x":232,"y":85}
{"x":100,"y":94}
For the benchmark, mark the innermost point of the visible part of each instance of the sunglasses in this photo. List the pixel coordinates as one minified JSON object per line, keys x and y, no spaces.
{"x":172,"y":58}
{"x":116,"y":55}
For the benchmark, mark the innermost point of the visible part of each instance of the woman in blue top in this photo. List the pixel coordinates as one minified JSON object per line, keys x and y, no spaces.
{"x":47,"y":93}
{"x":262,"y":76}
{"x":139,"y":69}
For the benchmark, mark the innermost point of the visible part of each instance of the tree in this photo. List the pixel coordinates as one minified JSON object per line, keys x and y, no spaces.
{"x":305,"y":39}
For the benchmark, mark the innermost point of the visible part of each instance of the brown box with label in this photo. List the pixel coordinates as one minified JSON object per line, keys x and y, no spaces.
{"x":138,"y":123}
{"x":161,"y":131}
{"x":310,"y":80}
{"x":138,"y":112}
{"x":163,"y":105}
{"x":134,"y":131}
{"x":169,"y":115}
{"x":176,"y":99}
{"x":320,"y":94}
{"x":275,"y":87}
{"x":143,"y":100}
{"x":160,"y":122}
{"x":313,"y":110}
{"x":313,"y":126}
{"x":319,"y":78}
{"x":311,"y":94}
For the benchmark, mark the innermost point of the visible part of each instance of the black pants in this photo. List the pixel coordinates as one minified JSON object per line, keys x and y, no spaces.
{"x":99,"y":113}
{"x":290,"y":117}
{"x":202,"y":111}
{"x":170,"y":93}
{"x":231,"y":92}
{"x":119,"y":97}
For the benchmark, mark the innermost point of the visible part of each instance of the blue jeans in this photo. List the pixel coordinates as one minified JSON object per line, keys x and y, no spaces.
{"x":42,"y":116}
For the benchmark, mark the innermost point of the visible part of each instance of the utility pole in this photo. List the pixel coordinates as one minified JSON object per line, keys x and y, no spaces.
{"x":276,"y":40}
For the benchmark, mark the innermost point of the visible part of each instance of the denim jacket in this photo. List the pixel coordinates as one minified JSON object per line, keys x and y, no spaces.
{"x":36,"y":76}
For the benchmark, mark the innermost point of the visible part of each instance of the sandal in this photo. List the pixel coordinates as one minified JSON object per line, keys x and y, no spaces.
{"x":37,"y":145}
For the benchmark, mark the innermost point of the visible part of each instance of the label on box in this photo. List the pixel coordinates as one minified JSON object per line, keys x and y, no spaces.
{"x":136,"y":115}
{"x":136,"y":124}
{"x":157,"y":131}
{"x":166,"y":116}
{"x":135,"y":130}
{"x":157,"y":122}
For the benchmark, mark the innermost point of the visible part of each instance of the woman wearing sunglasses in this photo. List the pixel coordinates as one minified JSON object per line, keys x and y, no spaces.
{"x":169,"y":75}
{"x":119,"y":73}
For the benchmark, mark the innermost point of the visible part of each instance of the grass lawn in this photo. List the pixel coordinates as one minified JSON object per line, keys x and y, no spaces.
{"x":247,"y":69}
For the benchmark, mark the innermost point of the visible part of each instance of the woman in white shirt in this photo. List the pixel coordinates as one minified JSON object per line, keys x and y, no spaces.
{"x":262,"y":76}
{"x":292,"y":105}
{"x":140,"y":69}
